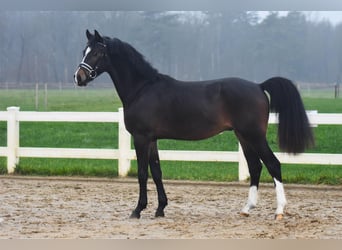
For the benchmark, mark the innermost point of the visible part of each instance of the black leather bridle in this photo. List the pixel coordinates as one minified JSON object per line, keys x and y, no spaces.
{"x":92,"y":72}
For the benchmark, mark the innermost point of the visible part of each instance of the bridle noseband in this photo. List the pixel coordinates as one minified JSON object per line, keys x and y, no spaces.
{"x":91,"y":71}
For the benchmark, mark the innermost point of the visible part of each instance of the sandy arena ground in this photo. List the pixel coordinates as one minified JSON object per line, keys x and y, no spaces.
{"x":99,"y":208}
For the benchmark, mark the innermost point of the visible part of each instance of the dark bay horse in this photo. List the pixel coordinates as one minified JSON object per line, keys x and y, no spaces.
{"x":156,"y":106}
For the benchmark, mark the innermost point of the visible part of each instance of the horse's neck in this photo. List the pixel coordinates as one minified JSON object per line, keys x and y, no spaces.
{"x":126,"y":85}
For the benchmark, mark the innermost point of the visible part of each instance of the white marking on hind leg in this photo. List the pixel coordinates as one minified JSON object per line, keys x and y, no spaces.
{"x":252,"y":200}
{"x":281,"y":199}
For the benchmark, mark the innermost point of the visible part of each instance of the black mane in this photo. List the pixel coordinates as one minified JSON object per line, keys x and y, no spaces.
{"x":125,"y":51}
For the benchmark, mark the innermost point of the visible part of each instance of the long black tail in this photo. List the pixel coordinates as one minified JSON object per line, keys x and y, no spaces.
{"x":294,"y":132}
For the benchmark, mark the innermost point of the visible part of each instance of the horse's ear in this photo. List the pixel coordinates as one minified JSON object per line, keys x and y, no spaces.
{"x":89,"y":35}
{"x":98,"y":37}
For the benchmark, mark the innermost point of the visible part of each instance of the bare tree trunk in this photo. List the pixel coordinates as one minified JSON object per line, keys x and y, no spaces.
{"x":22,"y":55}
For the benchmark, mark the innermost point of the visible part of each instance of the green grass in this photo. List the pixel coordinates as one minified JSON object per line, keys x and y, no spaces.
{"x":67,"y":167}
{"x":324,"y":105}
{"x":80,"y":99}
{"x":104,"y":135}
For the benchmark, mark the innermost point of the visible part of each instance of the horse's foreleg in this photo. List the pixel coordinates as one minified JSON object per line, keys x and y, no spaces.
{"x":142,"y":150}
{"x":157,"y":178}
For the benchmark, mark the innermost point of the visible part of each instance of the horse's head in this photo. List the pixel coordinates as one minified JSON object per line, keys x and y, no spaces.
{"x":94,"y":59}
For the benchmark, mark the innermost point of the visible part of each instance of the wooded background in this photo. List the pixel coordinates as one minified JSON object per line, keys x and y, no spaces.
{"x":46,"y":47}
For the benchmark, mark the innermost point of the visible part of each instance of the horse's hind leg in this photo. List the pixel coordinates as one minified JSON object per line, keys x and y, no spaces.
{"x":256,"y":148}
{"x":255,"y":167}
{"x":273,"y":167}
{"x":157,"y":178}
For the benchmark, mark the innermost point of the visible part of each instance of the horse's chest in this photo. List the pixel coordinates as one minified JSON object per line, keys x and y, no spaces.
{"x":138,"y":122}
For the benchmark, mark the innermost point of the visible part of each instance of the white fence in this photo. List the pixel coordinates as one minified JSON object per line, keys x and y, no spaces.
{"x":125,"y":154}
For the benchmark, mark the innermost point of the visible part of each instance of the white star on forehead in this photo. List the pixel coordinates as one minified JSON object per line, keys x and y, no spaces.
{"x":87,"y":51}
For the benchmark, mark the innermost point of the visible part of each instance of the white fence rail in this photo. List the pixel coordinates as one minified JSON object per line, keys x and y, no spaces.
{"x":124,"y":154}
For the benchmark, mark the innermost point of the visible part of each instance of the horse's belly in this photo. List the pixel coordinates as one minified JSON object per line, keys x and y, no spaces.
{"x":190,"y":130}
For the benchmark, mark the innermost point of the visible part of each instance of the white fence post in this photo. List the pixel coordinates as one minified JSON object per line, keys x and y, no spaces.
{"x":12,"y":138}
{"x":243,"y":167}
{"x":124,"y":161}
{"x":312,"y":113}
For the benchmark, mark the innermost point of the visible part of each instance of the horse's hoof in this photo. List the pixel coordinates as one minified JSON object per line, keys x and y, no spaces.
{"x":243,"y":214}
{"x":135,"y":215}
{"x":279,"y":216}
{"x":159,"y":214}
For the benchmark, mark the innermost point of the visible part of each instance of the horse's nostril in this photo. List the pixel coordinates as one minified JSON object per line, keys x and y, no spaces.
{"x":78,"y":79}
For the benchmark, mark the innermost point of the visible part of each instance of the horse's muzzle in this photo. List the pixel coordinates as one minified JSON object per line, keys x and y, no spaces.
{"x":80,"y":77}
